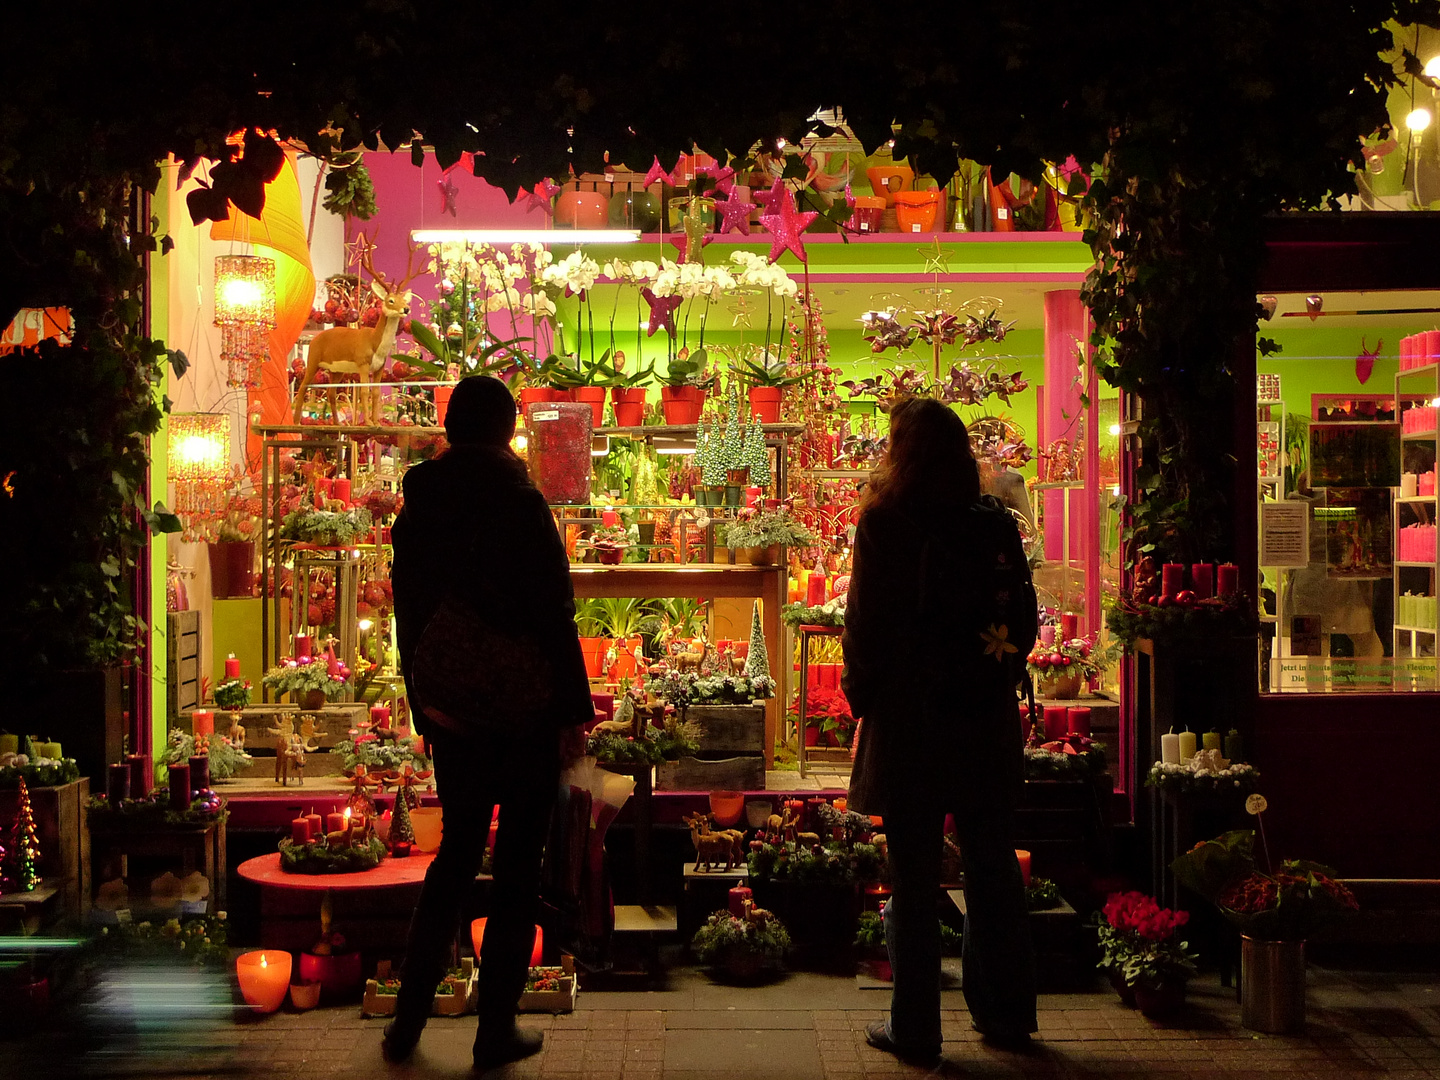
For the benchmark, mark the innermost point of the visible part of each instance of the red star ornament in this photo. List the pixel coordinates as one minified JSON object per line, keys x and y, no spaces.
{"x":448,"y":191}
{"x":662,"y":312}
{"x":770,"y":200}
{"x":540,"y":197}
{"x":735,"y":213}
{"x":657,"y":174}
{"x":785,"y":224}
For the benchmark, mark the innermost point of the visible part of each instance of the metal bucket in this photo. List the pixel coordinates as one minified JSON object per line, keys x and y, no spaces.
{"x":1272,"y":985}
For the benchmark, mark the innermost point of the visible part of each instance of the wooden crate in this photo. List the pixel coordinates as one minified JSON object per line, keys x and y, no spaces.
{"x":554,"y":1001}
{"x":182,"y":662}
{"x":727,"y":774}
{"x":457,"y":1003}
{"x":63,"y":829}
{"x":729,"y":729}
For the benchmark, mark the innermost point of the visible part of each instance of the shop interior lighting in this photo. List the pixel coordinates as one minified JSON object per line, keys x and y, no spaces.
{"x":1418,"y":120}
{"x":526,"y":236}
{"x":1432,"y":68}
{"x":199,"y":446}
{"x":678,"y":445}
{"x":1114,"y":429}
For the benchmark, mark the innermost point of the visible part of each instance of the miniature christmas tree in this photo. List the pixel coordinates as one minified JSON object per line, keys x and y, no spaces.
{"x":401,"y":828}
{"x":732,"y":446}
{"x":24,"y":854}
{"x":757,"y":457}
{"x":712,"y":464}
{"x":757,"y":664}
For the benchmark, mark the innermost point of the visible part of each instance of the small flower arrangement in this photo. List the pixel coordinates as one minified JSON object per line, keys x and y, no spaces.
{"x":828,"y":614}
{"x":741,"y":945}
{"x":685,"y":688}
{"x":1205,"y":772}
{"x":233,"y":694}
{"x":1290,"y":904}
{"x":1062,"y":658}
{"x":612,"y":538}
{"x":226,"y":759}
{"x":326,"y":528}
{"x":36,"y":771}
{"x":835,"y":863}
{"x":832,"y":709}
{"x":380,"y":757}
{"x":765,"y":528}
{"x":298,"y":675}
{"x":1043,"y":763}
{"x":1139,"y":941}
{"x":199,"y":941}
{"x":668,"y":743}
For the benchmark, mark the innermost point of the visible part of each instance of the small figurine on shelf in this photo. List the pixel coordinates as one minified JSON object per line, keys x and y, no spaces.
{"x":294,"y":761}
{"x":360,"y":802}
{"x":710,"y":847}
{"x":310,"y":736}
{"x":237,"y":732}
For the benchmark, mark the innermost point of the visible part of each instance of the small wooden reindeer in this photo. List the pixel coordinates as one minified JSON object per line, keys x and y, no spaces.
{"x":360,"y":351}
{"x":710,"y":847}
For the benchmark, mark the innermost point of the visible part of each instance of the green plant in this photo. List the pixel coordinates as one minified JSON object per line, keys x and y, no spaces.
{"x":624,"y":617}
{"x":1041,"y":894}
{"x":766,"y":370}
{"x":349,"y":190}
{"x":726,"y":939}
{"x":292,"y":677}
{"x":381,"y":756}
{"x":326,"y":528}
{"x":199,"y":941}
{"x":684,"y":616}
{"x":225,"y":759}
{"x":1139,"y":941}
{"x":233,"y":694}
{"x":870,"y":933}
{"x":762,"y":528}
{"x":688,"y":370}
{"x":589,"y":617}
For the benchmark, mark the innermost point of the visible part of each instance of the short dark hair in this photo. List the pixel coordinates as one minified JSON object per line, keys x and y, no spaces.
{"x":481,"y":411}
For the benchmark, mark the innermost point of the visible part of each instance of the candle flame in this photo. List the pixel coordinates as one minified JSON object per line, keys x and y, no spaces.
{"x":347,"y":813}
{"x":263,"y":961}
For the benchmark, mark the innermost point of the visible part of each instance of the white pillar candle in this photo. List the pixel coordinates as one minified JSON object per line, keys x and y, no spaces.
{"x":1187,"y":746}
{"x":1170,"y":749}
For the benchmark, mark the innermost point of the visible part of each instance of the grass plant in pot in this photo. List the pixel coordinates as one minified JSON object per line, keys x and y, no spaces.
{"x":590,"y":622}
{"x":624,"y":621}
{"x":1276,"y":911}
{"x":758,"y":535}
{"x":1140,"y":950}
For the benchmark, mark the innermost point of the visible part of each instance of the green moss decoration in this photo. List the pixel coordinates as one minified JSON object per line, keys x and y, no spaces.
{"x":320,"y":859}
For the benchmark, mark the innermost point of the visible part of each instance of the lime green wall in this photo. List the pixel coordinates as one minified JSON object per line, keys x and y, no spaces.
{"x":1320,"y":360}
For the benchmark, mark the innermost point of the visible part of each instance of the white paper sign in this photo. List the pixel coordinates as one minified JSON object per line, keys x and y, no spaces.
{"x":545,"y":414}
{"x":1285,"y":533}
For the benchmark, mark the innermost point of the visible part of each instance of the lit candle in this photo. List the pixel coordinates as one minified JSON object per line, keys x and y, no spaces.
{"x":815,"y":590}
{"x":1234,"y":746}
{"x":1228,"y":577}
{"x":232,"y":667}
{"x":609,"y":517}
{"x":1057,"y":721}
{"x":1172,"y":578}
{"x":179,"y":787}
{"x":117,"y":783}
{"x":1170,"y":748}
{"x":139,"y":785}
{"x":841,"y":803}
{"x":340,"y":489}
{"x":738,"y":896}
{"x":1210,"y":740}
{"x":264,"y":978}
{"x":1023,"y":858}
{"x":1187,"y":746}
{"x":1069,"y":626}
{"x":199,"y":772}
{"x":300,"y":830}
{"x":334,"y":822}
{"x":202,"y":723}
{"x":1202,"y":577}
{"x":753,"y":495}
{"x":380,"y":716}
{"x":1078,"y":719}
{"x":302,"y":645}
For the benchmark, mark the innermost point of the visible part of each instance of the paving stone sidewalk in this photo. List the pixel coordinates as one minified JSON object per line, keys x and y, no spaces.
{"x":811,"y":1027}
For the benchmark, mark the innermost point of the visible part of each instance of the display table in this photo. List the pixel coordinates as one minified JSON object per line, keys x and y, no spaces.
{"x":371,"y":907}
{"x":200,"y":846}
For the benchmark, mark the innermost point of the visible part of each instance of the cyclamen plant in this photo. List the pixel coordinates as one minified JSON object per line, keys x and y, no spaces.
{"x":1139,"y":941}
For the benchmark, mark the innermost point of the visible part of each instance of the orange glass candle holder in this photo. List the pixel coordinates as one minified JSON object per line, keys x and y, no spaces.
{"x":477,"y":938}
{"x":1023,"y":857}
{"x":264,"y":978}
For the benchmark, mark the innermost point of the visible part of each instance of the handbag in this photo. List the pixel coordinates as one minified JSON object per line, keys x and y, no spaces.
{"x":475,"y":678}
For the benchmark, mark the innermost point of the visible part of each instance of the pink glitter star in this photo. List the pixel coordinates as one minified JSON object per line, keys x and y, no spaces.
{"x":735,"y":213}
{"x":771,"y":200}
{"x":657,"y":174}
{"x":725,"y":180}
{"x":448,"y":191}
{"x":662,"y":312}
{"x":785,"y":224}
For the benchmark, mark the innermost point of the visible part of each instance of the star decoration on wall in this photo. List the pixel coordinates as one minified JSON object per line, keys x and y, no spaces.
{"x":735,"y":213}
{"x":357,"y":251}
{"x":448,"y":191}
{"x":785,"y":224}
{"x":662,"y":312}
{"x":540,"y":197}
{"x":658,"y":175}
{"x":937,"y":260}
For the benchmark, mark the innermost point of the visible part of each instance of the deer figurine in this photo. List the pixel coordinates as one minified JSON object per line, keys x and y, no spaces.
{"x":360,"y":351}
{"x":710,"y":847}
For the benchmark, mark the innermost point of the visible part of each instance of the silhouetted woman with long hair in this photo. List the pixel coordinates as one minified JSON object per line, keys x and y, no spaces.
{"x":941,"y":731}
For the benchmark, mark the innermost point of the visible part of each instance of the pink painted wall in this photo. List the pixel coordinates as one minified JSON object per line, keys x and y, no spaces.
{"x":1065,"y":330}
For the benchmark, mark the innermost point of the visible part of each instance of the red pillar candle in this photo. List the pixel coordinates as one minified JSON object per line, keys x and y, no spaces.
{"x":202,"y":723}
{"x":316,"y":822}
{"x":232,"y":667}
{"x":1078,"y":718}
{"x":117,"y":783}
{"x":1227,"y":577}
{"x":609,"y":517}
{"x":302,"y":645}
{"x":139,"y":778}
{"x":300,"y":830}
{"x":323,"y":487}
{"x":334,"y":822}
{"x":1069,"y":626}
{"x":738,"y":896}
{"x":753,"y":495}
{"x":1057,"y":721}
{"x":1172,"y":578}
{"x":380,"y":716}
{"x":340,"y":489}
{"x":199,"y":772}
{"x":815,"y":590}
{"x":179,"y":787}
{"x":1202,"y":578}
{"x":1023,"y":857}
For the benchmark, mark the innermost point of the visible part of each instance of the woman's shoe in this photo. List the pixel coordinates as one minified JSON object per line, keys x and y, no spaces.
{"x":877,"y":1036}
{"x":1018,"y":1041}
{"x":400,"y":1040}
{"x":499,"y":1048}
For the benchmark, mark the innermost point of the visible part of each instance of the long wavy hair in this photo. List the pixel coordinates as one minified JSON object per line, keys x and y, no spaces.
{"x":927,"y":459}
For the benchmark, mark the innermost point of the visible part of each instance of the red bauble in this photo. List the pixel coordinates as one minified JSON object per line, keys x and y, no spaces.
{"x":1064,"y":661}
{"x":1185,"y":597}
{"x":1055,"y":659}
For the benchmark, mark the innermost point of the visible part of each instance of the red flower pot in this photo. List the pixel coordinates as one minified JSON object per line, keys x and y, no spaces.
{"x":1158,"y":1002}
{"x":765,"y":403}
{"x":610,"y":556}
{"x":442,"y":403}
{"x":594,"y":396}
{"x":812,"y":735}
{"x":629,"y":403}
{"x":535,"y":395}
{"x":682,"y":404}
{"x":593,"y":649}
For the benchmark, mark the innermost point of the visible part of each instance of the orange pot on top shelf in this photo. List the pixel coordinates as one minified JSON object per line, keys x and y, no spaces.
{"x":918,"y":211}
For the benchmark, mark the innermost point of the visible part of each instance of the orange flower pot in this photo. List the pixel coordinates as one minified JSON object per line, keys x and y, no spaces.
{"x":765,"y":402}
{"x":918,"y":211}
{"x":629,"y":403}
{"x":682,"y":404}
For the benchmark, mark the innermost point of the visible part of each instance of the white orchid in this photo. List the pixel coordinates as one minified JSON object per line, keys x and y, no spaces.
{"x":576,"y":272}
{"x":644,"y":270}
{"x":504,"y":298}
{"x":537,"y":304}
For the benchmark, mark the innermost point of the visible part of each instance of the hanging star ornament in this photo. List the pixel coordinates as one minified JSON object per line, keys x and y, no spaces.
{"x":724,"y":180}
{"x":785,"y":225}
{"x":540,"y":197}
{"x":937,"y":260}
{"x":658,"y":175}
{"x":771,"y":200}
{"x":662,"y":312}
{"x":358,"y":251}
{"x":448,"y":191}
{"x":735,"y":214}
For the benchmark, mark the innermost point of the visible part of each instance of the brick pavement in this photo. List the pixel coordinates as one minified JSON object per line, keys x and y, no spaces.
{"x":811,"y":1027}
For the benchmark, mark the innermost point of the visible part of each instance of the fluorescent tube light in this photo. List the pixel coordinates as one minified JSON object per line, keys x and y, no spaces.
{"x":525,"y":236}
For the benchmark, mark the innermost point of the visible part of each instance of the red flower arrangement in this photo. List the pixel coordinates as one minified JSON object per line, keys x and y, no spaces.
{"x":1139,"y":942}
{"x":1136,"y":913}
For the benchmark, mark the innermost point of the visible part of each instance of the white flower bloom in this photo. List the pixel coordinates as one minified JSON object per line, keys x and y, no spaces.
{"x":644,"y":270}
{"x":538,"y":304}
{"x":618,"y":270}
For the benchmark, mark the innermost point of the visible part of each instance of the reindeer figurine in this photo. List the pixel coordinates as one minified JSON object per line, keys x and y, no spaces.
{"x":360,"y":351}
{"x":710,"y":847}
